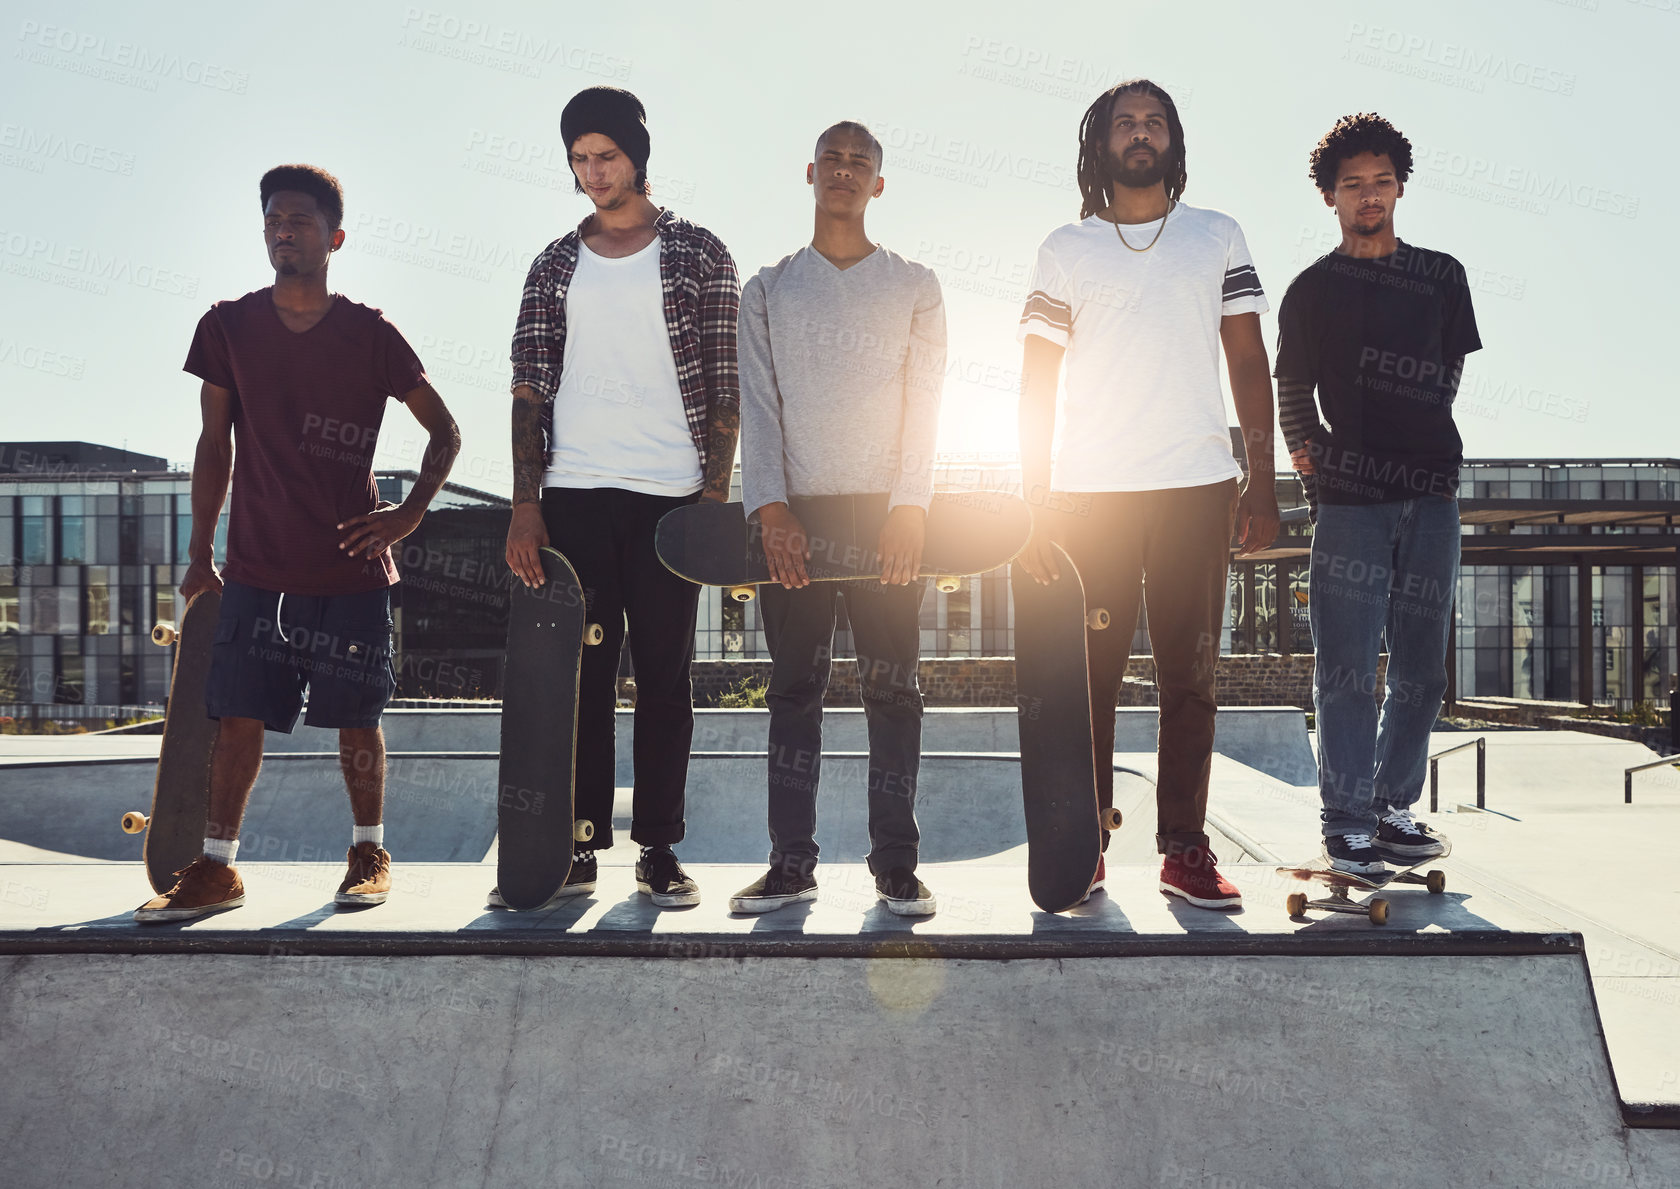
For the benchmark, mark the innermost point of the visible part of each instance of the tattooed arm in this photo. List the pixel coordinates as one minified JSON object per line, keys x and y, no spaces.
{"x":538,"y":346}
{"x":526,"y":533}
{"x":720,"y":304}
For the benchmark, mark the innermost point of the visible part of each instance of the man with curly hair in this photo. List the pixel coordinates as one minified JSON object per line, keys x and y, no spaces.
{"x":1137,"y":300}
{"x":1379,"y":328}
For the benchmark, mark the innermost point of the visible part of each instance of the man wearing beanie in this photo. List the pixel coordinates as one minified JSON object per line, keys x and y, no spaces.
{"x":625,"y":406}
{"x":842,"y":360}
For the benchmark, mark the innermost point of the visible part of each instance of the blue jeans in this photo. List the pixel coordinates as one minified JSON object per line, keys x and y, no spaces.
{"x":1379,"y":571}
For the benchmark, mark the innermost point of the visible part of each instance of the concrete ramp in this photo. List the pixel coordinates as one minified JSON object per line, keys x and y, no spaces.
{"x":733,"y":1069}
{"x":439,"y":808}
{"x":442,"y":807}
{"x":1271,"y":739}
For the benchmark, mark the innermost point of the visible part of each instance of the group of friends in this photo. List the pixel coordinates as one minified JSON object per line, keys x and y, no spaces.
{"x":640,"y":364}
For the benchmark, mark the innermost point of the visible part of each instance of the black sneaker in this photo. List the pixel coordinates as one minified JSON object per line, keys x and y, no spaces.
{"x":1403,"y":838}
{"x":904,"y":893}
{"x":1354,"y":854}
{"x":578,"y":883}
{"x":660,"y":875}
{"x":773,"y":890}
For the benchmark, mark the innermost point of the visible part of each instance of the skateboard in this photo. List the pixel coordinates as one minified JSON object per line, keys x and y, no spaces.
{"x":535,"y":812}
{"x":1058,"y":764}
{"x":181,"y":793}
{"x":1340,"y":881}
{"x":712,"y":544}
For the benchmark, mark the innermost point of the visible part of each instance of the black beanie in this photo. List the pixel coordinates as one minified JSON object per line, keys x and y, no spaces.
{"x":613,"y":112}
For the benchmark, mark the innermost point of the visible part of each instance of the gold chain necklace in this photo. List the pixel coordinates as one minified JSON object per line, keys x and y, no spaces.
{"x":1171,"y":206}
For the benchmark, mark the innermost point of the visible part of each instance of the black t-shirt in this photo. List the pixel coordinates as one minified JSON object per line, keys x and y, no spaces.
{"x":1378,"y":338}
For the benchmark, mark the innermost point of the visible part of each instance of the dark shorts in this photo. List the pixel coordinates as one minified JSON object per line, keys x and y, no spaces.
{"x":271,"y":647}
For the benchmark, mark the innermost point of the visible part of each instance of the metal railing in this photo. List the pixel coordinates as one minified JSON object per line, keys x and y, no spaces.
{"x":1627,"y":776}
{"x":1480,"y":744}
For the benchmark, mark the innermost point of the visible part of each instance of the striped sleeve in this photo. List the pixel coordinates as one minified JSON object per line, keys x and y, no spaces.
{"x":1240,"y":293}
{"x":1048,"y":312}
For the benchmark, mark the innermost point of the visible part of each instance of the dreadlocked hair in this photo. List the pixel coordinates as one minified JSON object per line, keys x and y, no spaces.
{"x":1096,"y":187}
{"x":1366,"y":132}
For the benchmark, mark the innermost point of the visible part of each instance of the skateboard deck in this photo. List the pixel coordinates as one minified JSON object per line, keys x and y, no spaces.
{"x":1058,"y":763}
{"x":712,"y":544}
{"x":535,"y":813}
{"x":180,"y":811}
{"x":1341,"y":884}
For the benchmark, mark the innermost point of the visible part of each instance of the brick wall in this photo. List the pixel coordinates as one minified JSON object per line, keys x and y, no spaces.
{"x":1266,"y":679}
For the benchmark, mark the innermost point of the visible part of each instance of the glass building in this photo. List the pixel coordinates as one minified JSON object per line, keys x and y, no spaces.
{"x":93,"y":547}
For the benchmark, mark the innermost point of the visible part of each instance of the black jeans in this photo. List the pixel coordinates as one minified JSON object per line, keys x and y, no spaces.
{"x":799,"y":628}
{"x":1169,"y":550}
{"x":607,"y":535}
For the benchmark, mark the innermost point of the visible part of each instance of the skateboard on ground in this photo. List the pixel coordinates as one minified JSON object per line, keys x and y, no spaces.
{"x":712,"y":544}
{"x":535,"y":812}
{"x":1339,"y":882}
{"x":181,"y":793}
{"x":1058,"y":763}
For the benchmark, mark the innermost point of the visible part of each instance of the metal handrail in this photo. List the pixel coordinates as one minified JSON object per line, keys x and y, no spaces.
{"x":1480,"y":744}
{"x":1627,"y":776}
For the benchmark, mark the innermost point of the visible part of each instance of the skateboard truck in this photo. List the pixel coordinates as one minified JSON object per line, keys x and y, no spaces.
{"x":134,"y":822}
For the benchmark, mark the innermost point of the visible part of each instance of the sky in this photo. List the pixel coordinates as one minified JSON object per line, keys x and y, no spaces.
{"x":132,"y":138}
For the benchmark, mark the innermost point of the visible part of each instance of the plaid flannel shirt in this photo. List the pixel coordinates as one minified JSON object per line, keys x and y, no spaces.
{"x":702,"y":306}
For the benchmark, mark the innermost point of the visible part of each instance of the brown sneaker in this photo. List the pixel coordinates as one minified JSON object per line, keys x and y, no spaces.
{"x":201,"y":887}
{"x":369,"y":878}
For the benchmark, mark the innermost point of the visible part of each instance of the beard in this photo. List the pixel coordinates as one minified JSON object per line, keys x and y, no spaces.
{"x":1367,"y":230}
{"x":1140,"y":176}
{"x":288,"y":269}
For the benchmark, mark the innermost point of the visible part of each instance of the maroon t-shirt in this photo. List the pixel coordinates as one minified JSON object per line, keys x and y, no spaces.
{"x":306,"y":414}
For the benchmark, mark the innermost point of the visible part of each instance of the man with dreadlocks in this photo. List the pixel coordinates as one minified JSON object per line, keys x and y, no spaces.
{"x":1136,"y":299}
{"x":1380,"y":328}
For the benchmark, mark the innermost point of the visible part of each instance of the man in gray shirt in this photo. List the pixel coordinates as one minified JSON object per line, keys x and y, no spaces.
{"x":842,"y":354}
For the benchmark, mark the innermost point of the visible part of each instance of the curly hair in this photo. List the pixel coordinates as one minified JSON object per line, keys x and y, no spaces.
{"x":1096,"y":187}
{"x":1366,"y":132}
{"x":306,"y":179}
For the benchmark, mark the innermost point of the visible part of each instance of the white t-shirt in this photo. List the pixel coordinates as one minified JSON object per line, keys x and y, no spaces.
{"x":1141,"y":405}
{"x":619,"y":419}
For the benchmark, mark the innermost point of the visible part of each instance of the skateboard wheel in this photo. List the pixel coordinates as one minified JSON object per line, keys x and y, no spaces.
{"x":743,"y":594}
{"x":1379,"y":912}
{"x":1296,"y":903}
{"x":583,"y":830}
{"x":1098,"y":619}
{"x":1111,"y":819}
{"x":946,"y":585}
{"x":134,"y":823}
{"x":592,"y":633}
{"x":1436,"y":882}
{"x":164,"y":634}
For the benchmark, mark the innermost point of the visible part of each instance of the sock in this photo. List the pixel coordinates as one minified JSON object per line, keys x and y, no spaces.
{"x":373,"y":834}
{"x":222,"y":850}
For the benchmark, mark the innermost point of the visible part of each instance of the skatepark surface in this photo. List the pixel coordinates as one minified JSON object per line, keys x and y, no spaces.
{"x":434,"y":1041}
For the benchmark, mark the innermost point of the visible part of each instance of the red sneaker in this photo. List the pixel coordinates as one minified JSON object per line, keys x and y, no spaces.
{"x":1192,"y":875}
{"x":1097,"y":883}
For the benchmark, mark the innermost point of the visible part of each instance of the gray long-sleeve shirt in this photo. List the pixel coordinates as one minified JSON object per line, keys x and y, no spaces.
{"x":841,"y":371}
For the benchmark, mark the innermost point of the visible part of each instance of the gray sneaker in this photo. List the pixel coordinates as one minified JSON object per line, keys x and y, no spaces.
{"x":905,"y":894}
{"x":772,"y":890}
